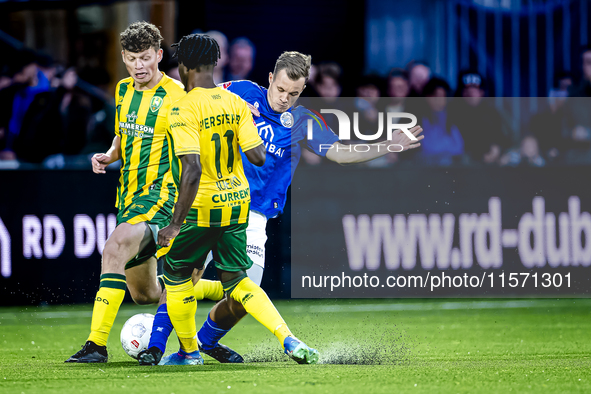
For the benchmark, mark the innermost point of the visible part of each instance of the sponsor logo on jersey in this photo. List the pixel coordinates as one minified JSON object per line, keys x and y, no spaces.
{"x":131,"y":117}
{"x":256,"y":104}
{"x":174,"y":111}
{"x":189,"y":299}
{"x":226,"y":85}
{"x":156,"y":103}
{"x":287,"y":119}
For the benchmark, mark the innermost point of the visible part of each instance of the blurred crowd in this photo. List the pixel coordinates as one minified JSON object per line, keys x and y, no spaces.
{"x":466,"y":126}
{"x":49,"y":111}
{"x":57,"y":116}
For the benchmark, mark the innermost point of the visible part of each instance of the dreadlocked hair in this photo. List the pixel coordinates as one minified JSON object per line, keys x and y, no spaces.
{"x":197,"y":50}
{"x":141,"y":36}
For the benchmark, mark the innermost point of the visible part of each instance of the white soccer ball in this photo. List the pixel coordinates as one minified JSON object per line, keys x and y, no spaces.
{"x":135,"y":334}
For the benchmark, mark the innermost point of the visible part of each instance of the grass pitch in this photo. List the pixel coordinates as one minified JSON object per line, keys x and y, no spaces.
{"x":368,"y":346}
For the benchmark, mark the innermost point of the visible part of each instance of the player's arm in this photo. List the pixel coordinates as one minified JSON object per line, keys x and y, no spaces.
{"x":257,"y":155}
{"x":187,"y":191}
{"x":100,"y":161}
{"x":346,"y":154}
{"x":184,"y":132}
{"x":248,"y":137}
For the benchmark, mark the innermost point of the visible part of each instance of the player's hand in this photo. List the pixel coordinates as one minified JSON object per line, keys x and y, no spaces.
{"x":167,"y":234}
{"x":400,"y":138}
{"x":100,"y":161}
{"x":255,"y":112}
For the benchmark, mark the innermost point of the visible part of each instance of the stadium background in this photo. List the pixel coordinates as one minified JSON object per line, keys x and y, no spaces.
{"x":55,"y":214}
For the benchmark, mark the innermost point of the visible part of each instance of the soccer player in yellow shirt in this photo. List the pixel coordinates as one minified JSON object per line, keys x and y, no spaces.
{"x":146,"y":192}
{"x":206,"y":129}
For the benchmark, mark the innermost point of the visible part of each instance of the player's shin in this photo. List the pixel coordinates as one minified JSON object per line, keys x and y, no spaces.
{"x":161,"y":329}
{"x":106,"y":305}
{"x":181,"y":309}
{"x":210,"y":334}
{"x":257,"y":303}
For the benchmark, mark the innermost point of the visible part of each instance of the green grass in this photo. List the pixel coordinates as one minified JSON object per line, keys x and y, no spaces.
{"x":367,"y":346}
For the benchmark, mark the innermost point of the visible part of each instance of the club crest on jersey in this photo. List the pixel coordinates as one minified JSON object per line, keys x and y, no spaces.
{"x":287,"y":119}
{"x":226,"y":85}
{"x":156,"y":103}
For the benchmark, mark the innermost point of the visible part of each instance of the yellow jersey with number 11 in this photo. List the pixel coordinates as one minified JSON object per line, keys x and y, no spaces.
{"x":214,"y":124}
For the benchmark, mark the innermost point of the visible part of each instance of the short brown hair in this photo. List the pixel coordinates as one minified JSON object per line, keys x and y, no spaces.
{"x":295,"y":64}
{"x":141,"y":36}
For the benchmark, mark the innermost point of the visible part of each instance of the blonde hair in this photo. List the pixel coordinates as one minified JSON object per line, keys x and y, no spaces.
{"x":296,"y":65}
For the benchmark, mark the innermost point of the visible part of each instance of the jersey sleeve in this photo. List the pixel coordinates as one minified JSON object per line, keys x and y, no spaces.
{"x":184,"y":130}
{"x":322,"y":135}
{"x":248,"y":135}
{"x":241,"y":88}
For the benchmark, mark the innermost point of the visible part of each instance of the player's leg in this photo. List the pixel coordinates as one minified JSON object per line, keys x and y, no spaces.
{"x":232,"y":262}
{"x":256,"y":238}
{"x":122,"y":246}
{"x":188,"y":252}
{"x":162,"y":326}
{"x":209,"y":334}
{"x":143,"y":283}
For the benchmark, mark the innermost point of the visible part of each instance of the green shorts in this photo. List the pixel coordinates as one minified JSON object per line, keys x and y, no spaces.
{"x":153,"y":211}
{"x":192,"y":245}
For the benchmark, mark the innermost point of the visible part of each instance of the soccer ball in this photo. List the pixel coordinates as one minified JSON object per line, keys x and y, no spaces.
{"x":135,"y":335}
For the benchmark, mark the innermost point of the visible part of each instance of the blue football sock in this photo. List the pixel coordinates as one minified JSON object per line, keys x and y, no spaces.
{"x":210,"y":334}
{"x":161,"y":329}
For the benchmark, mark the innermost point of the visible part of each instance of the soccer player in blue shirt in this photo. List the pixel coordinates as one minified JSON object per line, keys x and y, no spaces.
{"x":282,"y":126}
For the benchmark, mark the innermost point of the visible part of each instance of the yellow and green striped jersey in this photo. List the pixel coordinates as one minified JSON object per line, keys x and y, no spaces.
{"x":214,"y":123}
{"x":140,"y":122}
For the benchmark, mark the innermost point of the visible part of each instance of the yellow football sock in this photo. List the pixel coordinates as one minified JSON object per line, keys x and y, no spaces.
{"x":106,"y":305}
{"x":182,"y":306}
{"x":257,"y":303}
{"x":210,"y":289}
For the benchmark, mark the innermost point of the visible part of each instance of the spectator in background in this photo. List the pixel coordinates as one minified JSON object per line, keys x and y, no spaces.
{"x":27,"y":82}
{"x":528,"y":154}
{"x":548,"y":126}
{"x":219,"y":72}
{"x":563,"y":82}
{"x":478,"y":120}
{"x":419,"y":74}
{"x":583,"y":89}
{"x":368,"y":94}
{"x":398,"y":90}
{"x":241,"y":61}
{"x":56,"y":122}
{"x":96,"y":82}
{"x":328,"y":87}
{"x":168,"y":65}
{"x":369,"y":105}
{"x":443,"y":141}
{"x":578,"y":115}
{"x":47,"y":66}
{"x":328,"y":81}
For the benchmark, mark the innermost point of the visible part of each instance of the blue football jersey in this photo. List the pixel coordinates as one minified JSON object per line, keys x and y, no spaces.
{"x":281,"y":134}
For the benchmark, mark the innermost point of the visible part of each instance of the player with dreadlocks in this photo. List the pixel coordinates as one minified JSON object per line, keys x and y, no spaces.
{"x":206,"y":129}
